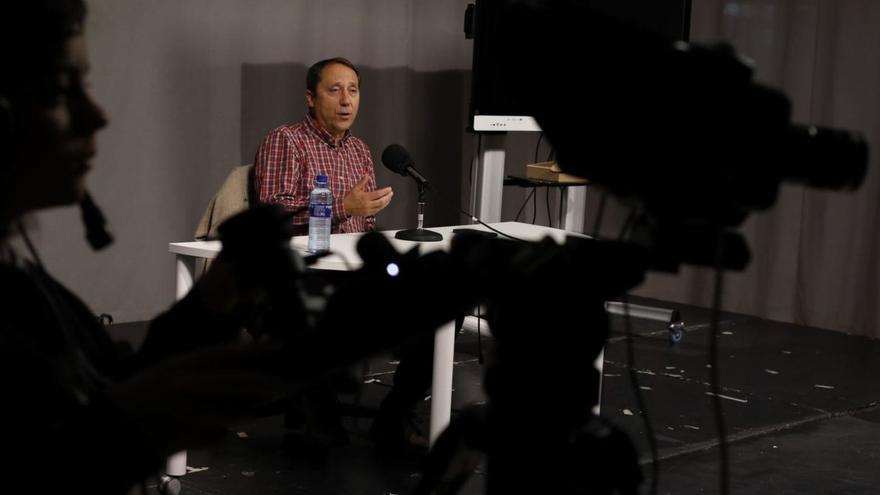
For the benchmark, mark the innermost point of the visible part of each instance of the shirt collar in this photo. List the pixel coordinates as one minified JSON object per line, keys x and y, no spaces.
{"x":325,"y":136}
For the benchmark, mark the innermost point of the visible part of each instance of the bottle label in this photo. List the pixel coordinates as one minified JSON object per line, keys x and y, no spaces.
{"x":319,"y":210}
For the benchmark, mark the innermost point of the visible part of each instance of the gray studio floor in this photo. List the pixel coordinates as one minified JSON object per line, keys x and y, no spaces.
{"x":802,"y":409}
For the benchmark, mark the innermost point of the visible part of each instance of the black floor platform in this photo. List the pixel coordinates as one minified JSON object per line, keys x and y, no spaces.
{"x":802,"y":408}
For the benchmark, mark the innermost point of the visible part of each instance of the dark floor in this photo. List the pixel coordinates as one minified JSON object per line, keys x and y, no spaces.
{"x":802,"y":408}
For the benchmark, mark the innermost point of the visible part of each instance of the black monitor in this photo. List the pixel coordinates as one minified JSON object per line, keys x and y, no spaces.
{"x":492,"y":108}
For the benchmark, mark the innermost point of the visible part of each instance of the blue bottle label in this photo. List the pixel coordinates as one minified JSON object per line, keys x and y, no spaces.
{"x":319,"y":210}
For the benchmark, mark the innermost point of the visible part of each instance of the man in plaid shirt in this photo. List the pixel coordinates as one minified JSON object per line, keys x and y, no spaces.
{"x":292,"y":155}
{"x":285,"y":167}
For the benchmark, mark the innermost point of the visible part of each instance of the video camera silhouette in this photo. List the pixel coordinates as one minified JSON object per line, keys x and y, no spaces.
{"x":679,"y":130}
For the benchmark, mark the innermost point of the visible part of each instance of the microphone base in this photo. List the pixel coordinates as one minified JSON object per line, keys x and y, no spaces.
{"x":418,"y":235}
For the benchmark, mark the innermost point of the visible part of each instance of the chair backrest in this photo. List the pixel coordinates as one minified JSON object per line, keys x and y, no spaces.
{"x":235,"y":195}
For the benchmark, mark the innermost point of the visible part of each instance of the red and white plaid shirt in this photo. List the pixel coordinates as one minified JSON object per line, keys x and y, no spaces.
{"x":293,"y":155}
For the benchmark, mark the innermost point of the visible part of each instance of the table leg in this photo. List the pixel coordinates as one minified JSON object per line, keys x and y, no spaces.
{"x":186,"y":268}
{"x":186,"y":275}
{"x":176,"y":464}
{"x":599,"y":364}
{"x":441,"y":388}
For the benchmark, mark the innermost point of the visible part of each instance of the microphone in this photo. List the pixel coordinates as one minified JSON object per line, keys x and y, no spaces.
{"x":96,"y":225}
{"x":397,"y":159}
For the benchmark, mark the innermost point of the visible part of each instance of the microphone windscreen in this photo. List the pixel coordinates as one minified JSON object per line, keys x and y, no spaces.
{"x":396,"y":158}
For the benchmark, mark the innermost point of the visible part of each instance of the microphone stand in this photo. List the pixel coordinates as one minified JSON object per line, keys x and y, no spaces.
{"x":419,"y":234}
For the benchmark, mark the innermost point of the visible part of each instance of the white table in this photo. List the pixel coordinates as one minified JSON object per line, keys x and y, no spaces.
{"x":346,"y":258}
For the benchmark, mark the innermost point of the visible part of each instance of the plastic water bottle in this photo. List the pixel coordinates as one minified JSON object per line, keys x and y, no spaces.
{"x":320,"y":215}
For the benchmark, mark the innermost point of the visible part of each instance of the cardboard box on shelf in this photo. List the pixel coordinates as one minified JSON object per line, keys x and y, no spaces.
{"x":550,"y":172}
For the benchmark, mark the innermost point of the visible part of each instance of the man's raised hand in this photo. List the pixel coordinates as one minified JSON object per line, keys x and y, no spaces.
{"x":360,"y":202}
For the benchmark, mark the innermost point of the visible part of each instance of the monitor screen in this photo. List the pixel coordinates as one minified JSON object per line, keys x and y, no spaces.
{"x":492,"y":107}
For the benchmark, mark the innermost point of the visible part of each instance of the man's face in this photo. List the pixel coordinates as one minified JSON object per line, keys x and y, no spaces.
{"x":334,"y":103}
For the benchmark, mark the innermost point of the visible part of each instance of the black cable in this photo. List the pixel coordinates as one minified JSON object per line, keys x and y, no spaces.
{"x":311,"y":259}
{"x":627,"y":224}
{"x":600,"y":213}
{"x":560,"y":208}
{"x":634,"y":377}
{"x":479,"y":338}
{"x":526,"y":202}
{"x":714,"y":374}
{"x":30,"y":246}
{"x":345,"y":260}
{"x":640,"y":399}
{"x":534,"y":207}
{"x":493,"y":229}
{"x":549,"y":215}
{"x":62,"y":314}
{"x":538,"y":146}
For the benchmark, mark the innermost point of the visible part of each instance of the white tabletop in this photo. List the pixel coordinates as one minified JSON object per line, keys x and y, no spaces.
{"x":344,"y":246}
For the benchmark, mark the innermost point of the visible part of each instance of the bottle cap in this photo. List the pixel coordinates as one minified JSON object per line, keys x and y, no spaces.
{"x":321,"y":178}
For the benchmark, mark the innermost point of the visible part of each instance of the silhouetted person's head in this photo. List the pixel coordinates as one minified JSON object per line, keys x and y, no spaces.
{"x":48,"y":120}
